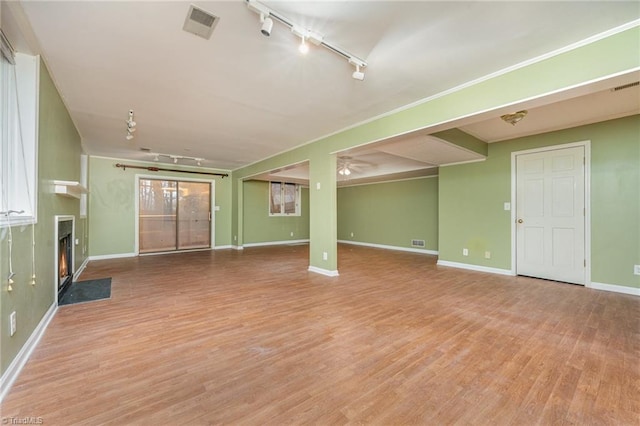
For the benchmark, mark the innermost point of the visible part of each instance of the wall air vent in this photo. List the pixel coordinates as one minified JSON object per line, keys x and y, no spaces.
{"x":626,"y":86}
{"x":200,"y":22}
{"x":417,"y":243}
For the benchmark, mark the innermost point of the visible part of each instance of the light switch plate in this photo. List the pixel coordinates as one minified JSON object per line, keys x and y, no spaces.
{"x":507,"y":206}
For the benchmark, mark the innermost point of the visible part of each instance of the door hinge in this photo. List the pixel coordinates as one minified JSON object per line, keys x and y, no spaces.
{"x":209,"y":215}
{"x":585,"y":263}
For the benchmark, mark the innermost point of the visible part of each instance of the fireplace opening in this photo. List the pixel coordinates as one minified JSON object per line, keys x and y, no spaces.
{"x":65,"y":256}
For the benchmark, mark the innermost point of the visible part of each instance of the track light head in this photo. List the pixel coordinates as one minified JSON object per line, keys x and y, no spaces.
{"x":267,"y":25}
{"x":175,"y":160}
{"x":304,"y":47}
{"x":357,"y":74}
{"x":129,"y":136}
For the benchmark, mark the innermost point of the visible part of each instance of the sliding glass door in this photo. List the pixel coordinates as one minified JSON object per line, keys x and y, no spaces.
{"x":174,"y":215}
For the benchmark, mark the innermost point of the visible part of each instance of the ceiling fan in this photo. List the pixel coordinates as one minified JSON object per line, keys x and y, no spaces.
{"x":347,"y":165}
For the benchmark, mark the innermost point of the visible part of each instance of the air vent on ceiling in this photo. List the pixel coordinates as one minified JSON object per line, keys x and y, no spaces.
{"x":626,"y":86}
{"x":145,"y":149}
{"x":200,"y":22}
{"x":417,"y":243}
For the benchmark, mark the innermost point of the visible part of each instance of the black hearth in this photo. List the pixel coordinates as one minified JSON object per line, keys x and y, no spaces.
{"x":65,"y":256}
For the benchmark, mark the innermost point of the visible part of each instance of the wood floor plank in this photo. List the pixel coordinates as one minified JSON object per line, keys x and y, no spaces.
{"x":253,"y":338}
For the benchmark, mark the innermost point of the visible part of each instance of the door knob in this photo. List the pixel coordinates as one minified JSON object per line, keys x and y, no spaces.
{"x":520,"y":221}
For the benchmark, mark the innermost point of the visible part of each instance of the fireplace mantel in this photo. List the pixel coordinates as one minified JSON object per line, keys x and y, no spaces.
{"x":68,"y":188}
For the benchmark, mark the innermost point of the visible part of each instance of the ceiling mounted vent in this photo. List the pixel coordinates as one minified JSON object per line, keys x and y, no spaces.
{"x":626,"y":86}
{"x":200,"y":22}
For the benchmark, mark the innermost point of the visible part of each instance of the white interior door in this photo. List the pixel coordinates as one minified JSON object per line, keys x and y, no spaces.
{"x":550,"y":215}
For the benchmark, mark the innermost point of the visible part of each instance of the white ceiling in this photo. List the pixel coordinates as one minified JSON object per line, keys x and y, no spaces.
{"x":241,"y":97}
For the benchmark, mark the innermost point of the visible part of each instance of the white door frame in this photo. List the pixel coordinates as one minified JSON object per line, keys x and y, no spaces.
{"x":587,"y":202}
{"x":212,"y":205}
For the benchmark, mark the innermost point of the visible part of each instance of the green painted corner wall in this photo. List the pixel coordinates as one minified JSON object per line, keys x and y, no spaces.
{"x":259,"y":227}
{"x":112,"y":205}
{"x":59,"y":151}
{"x":390,"y":213}
{"x":472,"y":195}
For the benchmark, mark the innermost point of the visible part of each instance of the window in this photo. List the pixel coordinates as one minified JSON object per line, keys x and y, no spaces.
{"x":284,"y":199}
{"x":18,"y":135}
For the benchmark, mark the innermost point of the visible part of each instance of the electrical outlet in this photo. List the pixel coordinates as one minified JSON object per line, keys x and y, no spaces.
{"x":636,"y":269}
{"x":12,"y":323}
{"x":325,"y":255}
{"x":465,"y":252}
{"x":352,"y":235}
{"x":292,"y":233}
{"x":235,"y":238}
{"x":487,"y":255}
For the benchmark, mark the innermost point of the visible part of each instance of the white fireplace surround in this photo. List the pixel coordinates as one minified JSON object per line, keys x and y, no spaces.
{"x":63,"y":218}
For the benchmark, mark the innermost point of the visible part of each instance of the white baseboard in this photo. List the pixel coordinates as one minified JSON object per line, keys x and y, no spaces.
{"x":384,"y":246}
{"x":80,"y":269}
{"x":276,"y":243}
{"x":634,"y":291}
{"x":223,"y":247}
{"x":112,"y":256}
{"x":323,"y":271}
{"x":475,"y":267}
{"x":14,"y":369}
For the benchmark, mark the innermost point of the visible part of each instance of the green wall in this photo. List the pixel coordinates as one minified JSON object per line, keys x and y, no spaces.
{"x":601,"y":59}
{"x":112,"y":204}
{"x":472,"y":196}
{"x":391,"y":213}
{"x":259,"y":227}
{"x":59,"y":153}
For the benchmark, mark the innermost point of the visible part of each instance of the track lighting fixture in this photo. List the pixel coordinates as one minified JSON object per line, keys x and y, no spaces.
{"x":176,"y":158}
{"x":267,"y":16}
{"x":357,"y":74}
{"x":267,"y":25}
{"x":304,"y":47}
{"x":131,"y":126}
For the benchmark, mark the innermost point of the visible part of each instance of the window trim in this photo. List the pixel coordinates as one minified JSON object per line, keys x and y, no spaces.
{"x":29,"y":107}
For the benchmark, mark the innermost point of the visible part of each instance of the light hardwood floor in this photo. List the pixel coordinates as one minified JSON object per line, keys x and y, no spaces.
{"x":251,"y":337}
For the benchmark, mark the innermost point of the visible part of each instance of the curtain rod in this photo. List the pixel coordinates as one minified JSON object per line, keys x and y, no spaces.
{"x":157,"y":169}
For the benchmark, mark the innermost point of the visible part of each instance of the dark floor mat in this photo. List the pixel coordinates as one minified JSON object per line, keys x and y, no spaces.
{"x":87,"y":291}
